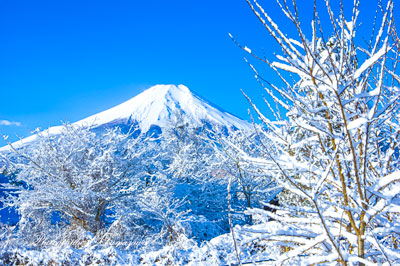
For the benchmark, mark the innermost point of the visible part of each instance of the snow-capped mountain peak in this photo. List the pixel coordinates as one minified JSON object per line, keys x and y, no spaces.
{"x":156,"y":106}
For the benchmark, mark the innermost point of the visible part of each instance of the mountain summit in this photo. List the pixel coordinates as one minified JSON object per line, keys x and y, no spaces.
{"x":156,"y":106}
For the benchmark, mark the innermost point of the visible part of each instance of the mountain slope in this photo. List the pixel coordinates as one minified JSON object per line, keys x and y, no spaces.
{"x":155,"y":106}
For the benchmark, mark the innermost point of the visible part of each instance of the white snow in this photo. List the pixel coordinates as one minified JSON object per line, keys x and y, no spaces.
{"x":247,"y":49}
{"x":359,"y":122}
{"x":383,"y":182}
{"x":155,"y":106}
{"x":371,"y":61}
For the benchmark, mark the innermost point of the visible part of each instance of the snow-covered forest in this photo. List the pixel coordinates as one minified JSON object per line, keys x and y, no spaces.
{"x":168,"y":179}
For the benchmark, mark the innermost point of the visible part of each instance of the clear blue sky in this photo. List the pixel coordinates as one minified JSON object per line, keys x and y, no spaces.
{"x":67,"y":59}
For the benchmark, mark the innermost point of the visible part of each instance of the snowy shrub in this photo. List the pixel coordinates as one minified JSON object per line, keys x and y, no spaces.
{"x":68,"y":256}
{"x":7,"y":237}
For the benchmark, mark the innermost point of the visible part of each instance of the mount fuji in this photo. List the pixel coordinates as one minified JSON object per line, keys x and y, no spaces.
{"x":155,"y":107}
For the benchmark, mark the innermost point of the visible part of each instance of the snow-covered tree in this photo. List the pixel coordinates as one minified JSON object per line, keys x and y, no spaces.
{"x":334,"y":143}
{"x":193,"y":169}
{"x":79,"y":182}
{"x":249,"y":185}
